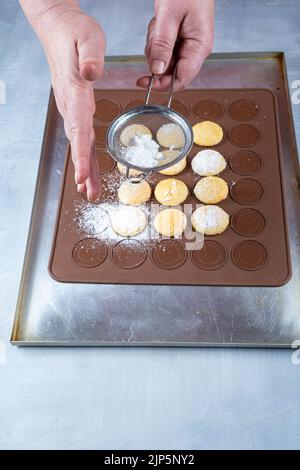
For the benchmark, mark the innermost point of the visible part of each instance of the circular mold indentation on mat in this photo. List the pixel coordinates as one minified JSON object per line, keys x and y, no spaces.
{"x":100,"y":136}
{"x":212,"y":256}
{"x":243,"y":109}
{"x":89,"y":252}
{"x":208,"y":109}
{"x":92,"y":221}
{"x":169,"y":254}
{"x":249,"y":255}
{"x":107,"y":110}
{"x":245,"y":163}
{"x":129,"y":254}
{"x":244,"y":135}
{"x":180,"y":107}
{"x":248,"y":222}
{"x":105,"y":162}
{"x":246,"y":191}
{"x":135,"y":104}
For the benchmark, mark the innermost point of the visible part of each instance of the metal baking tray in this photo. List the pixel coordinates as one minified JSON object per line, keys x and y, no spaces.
{"x":50,"y":313}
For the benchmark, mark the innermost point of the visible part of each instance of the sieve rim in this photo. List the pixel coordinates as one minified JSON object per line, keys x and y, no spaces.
{"x":151,"y":109}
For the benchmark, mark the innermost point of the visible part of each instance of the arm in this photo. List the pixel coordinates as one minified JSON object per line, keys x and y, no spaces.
{"x":181,"y":31}
{"x":75,"y":46}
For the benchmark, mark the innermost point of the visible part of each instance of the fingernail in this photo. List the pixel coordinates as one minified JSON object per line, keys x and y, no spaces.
{"x":157,"y":66}
{"x":76,"y":178}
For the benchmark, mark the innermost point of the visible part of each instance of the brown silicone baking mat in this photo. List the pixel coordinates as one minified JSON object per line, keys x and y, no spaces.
{"x":253,"y":251}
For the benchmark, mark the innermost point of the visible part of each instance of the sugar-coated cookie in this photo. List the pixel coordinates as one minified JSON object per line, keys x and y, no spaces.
{"x":171,"y":192}
{"x":177,"y":167}
{"x":208,"y":163}
{"x":211,"y":190}
{"x":170,"y":222}
{"x":134,"y":194}
{"x":128,"y":221}
{"x":131,"y":131}
{"x":207,"y":133}
{"x":171,"y":136}
{"x":132,"y":172}
{"x":210,"y":220}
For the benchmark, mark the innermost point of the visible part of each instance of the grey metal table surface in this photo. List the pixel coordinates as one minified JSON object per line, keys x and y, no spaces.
{"x":129,"y":398}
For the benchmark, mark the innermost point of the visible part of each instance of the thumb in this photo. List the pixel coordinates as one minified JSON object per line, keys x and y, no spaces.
{"x":161,"y":41}
{"x":91,"y":53}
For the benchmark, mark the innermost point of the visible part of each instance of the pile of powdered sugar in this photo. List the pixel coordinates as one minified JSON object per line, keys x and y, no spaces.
{"x":142,"y":151}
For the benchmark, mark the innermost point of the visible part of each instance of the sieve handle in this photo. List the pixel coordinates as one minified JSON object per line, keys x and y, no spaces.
{"x":149,"y":89}
{"x":170,"y":92}
{"x":137,"y":179}
{"x":172,"y":87}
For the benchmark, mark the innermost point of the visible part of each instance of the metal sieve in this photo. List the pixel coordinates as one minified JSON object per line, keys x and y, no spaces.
{"x":153,"y":117}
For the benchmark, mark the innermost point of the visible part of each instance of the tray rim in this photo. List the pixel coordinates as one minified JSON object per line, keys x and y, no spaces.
{"x":255,"y":55}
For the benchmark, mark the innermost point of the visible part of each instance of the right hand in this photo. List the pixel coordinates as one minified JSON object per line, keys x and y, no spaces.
{"x":75,"y":46}
{"x":181,"y":32}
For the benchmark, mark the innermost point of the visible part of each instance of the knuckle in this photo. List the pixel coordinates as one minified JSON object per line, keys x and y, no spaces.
{"x":162,"y":43}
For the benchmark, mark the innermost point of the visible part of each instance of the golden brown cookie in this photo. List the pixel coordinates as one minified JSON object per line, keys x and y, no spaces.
{"x":122,"y":169}
{"x":171,"y":192}
{"x":210,"y":220}
{"x":171,"y":136}
{"x":134,"y":194}
{"x":131,"y":131}
{"x":208,"y":163}
{"x":177,"y":167}
{"x":170,"y":222}
{"x":128,"y":221}
{"x":207,"y":133}
{"x":211,"y":190}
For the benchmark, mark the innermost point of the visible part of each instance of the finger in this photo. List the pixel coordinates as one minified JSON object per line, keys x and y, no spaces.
{"x":191,"y":56}
{"x":93,"y":184}
{"x":58,"y":99}
{"x":81,"y":188}
{"x":150,"y":32}
{"x":162,"y":39}
{"x":91,"y":51}
{"x":162,"y":83}
{"x":80,"y":109}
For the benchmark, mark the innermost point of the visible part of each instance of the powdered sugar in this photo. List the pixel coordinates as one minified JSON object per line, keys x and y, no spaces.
{"x":95,"y":220}
{"x":213,"y":217}
{"x":142,"y":151}
{"x":208,"y":163}
{"x":128,"y":221}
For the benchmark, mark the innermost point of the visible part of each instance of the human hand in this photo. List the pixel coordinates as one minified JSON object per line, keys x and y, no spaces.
{"x":75,"y":46}
{"x":181,"y":32}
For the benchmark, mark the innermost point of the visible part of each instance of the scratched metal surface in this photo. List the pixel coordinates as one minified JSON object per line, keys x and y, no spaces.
{"x":51,"y":313}
{"x":97,"y":398}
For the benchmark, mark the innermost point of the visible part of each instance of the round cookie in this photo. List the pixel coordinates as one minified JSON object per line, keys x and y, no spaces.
{"x":207,"y":133}
{"x":171,"y":192}
{"x":177,"y":167}
{"x":132,"y":172}
{"x":210,"y":220}
{"x":208,"y":163}
{"x":171,"y":136}
{"x":211,"y":190}
{"x":170,"y":222}
{"x":131,"y":131}
{"x":128,"y":221}
{"x":134,"y":194}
